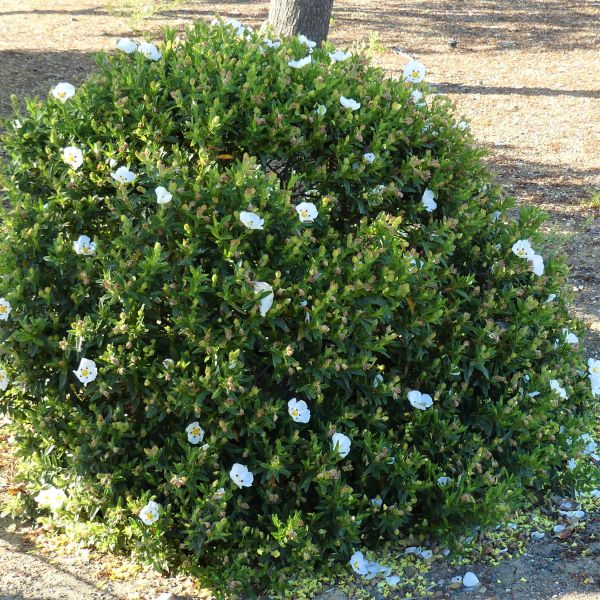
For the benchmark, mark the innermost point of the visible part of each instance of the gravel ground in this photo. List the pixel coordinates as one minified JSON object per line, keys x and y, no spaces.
{"x":524,"y":73}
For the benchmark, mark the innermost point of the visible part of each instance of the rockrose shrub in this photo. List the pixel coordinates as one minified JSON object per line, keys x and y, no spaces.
{"x":263,"y":306}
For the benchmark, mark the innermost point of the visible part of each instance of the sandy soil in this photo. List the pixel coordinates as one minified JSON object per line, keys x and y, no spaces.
{"x":524,"y":73}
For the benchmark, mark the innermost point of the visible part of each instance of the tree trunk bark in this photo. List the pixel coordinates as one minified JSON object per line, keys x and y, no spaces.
{"x":307,"y":17}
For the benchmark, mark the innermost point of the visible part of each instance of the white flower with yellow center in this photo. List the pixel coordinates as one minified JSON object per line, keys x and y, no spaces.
{"x":341,"y":444}
{"x":298,"y":410}
{"x":163,"y":196}
{"x":126,"y":45}
{"x":5,"y":309}
{"x":358,"y":563}
{"x":3,"y":380}
{"x":307,"y":212}
{"x":87,"y":371}
{"x":260,"y":287}
{"x":419,"y":400}
{"x":72,"y":156}
{"x":349,"y":103}
{"x":52,"y":498}
{"x":195,"y":433}
{"x":123,"y":175}
{"x":339,"y":56}
{"x":241,"y":476}
{"x":150,"y":51}
{"x":83,"y":245}
{"x":251,"y":220}
{"x":369,"y":157}
{"x":428,"y":200}
{"x":150,"y":513}
{"x":321,"y":110}
{"x":593,"y":364}
{"x":523,"y":249}
{"x":414,"y":71}
{"x":63,"y":91}
{"x":298,"y":64}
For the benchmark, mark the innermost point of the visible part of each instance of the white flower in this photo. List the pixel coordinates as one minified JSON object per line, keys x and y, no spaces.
{"x":17,"y":123}
{"x":150,"y":513}
{"x":571,"y":464}
{"x":470,"y":579}
{"x":533,"y":394}
{"x":298,"y":411}
{"x":339,"y":56}
{"x":163,"y":196}
{"x":3,"y":380}
{"x":150,"y":51}
{"x":63,"y":91}
{"x":426,"y":554}
{"x":265,"y":303}
{"x":241,"y":476}
{"x":462,"y":125}
{"x":558,"y":528}
{"x":87,"y":371}
{"x":537,"y":535}
{"x":590,"y":443}
{"x":195,"y":433}
{"x":251,"y":220}
{"x":443,"y":480}
{"x":307,"y":212}
{"x":72,"y":156}
{"x":536,"y":263}
{"x":304,"y":40}
{"x":376,"y":502}
{"x":298,"y":64}
{"x":417,"y":98}
{"x":570,"y":338}
{"x":418,"y":400}
{"x":593,"y":363}
{"x":349,"y":103}
{"x":551,"y":297}
{"x":126,"y":45}
{"x":555,"y":385}
{"x":321,"y":110}
{"x":523,"y":249}
{"x":595,"y":381}
{"x":220,"y":493}
{"x":83,"y":245}
{"x":428,"y":200}
{"x":392,"y":580}
{"x":341,"y":444}
{"x":123,"y":175}
{"x":369,"y":157}
{"x":51,"y":497}
{"x":414,"y":71}
{"x":358,"y":563}
{"x":5,"y":309}
{"x":272,"y":43}
{"x":377,"y":380}
{"x":378,"y":189}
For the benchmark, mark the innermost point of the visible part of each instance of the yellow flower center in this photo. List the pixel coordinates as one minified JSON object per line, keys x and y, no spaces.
{"x":85,"y":249}
{"x":85,"y":372}
{"x":295,"y":412}
{"x":2,"y":309}
{"x":196,"y":431}
{"x":304,"y":214}
{"x":62,"y":94}
{"x":415,"y":73}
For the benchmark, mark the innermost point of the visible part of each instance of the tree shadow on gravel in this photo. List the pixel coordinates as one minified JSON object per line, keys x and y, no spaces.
{"x":533,"y":22}
{"x":29,"y":73}
{"x":20,"y":563}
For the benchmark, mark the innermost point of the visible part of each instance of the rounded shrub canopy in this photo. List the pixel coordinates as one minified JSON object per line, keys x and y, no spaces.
{"x":261,"y":307}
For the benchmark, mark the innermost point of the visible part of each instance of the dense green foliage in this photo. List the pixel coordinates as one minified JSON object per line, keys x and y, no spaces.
{"x":375,"y":297}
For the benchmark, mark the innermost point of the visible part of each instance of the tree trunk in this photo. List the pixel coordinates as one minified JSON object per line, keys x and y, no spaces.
{"x":307,"y":17}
